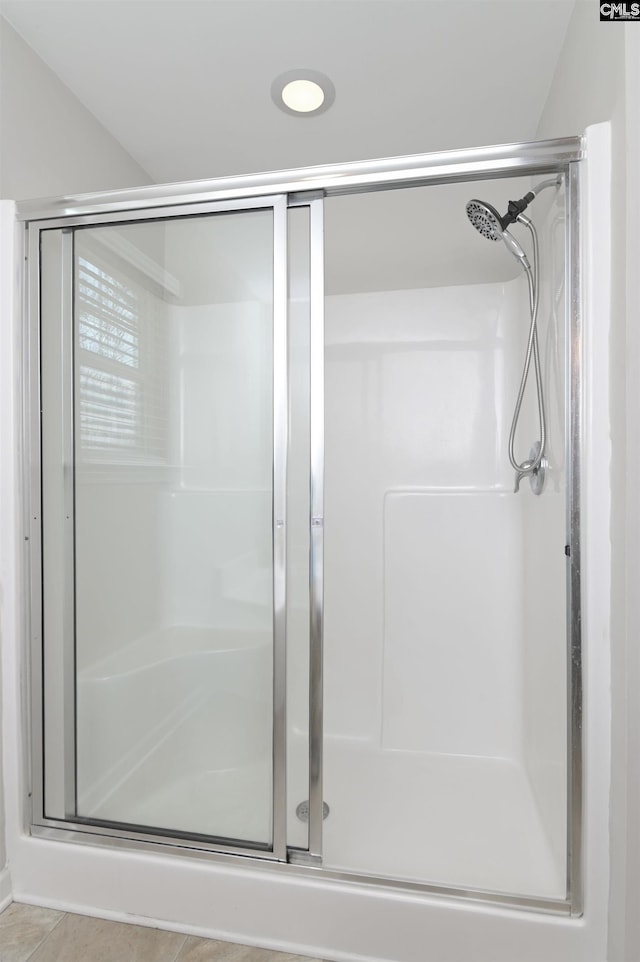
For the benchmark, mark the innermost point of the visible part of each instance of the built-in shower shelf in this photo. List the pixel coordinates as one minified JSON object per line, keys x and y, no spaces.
{"x":173,"y":643}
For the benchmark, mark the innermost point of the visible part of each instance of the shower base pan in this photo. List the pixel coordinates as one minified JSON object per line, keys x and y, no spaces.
{"x":204,"y":768}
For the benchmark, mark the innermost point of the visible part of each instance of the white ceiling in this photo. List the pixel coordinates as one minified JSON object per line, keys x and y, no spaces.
{"x":184,"y":85}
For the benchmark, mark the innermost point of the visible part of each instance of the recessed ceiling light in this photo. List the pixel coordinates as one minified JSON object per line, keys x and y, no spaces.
{"x":304,"y":93}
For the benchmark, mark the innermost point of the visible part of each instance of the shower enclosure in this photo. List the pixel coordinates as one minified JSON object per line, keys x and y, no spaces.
{"x":286,"y":607}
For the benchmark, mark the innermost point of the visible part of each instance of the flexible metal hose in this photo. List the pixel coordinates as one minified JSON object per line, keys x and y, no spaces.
{"x":530,"y":466}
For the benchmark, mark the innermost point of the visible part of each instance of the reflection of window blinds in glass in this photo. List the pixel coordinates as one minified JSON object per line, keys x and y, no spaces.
{"x":108,"y":415}
{"x":121,"y":364}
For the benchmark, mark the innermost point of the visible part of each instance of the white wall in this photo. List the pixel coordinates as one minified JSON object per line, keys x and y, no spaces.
{"x":435,"y":651}
{"x":632,"y":846}
{"x":416,"y":384}
{"x":9,"y":481}
{"x":50,"y":144}
{"x":589,"y":87}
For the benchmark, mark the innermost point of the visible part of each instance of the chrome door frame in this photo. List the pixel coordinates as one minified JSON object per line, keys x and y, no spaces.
{"x":446,"y":167}
{"x":34,"y":521}
{"x":562,"y":156}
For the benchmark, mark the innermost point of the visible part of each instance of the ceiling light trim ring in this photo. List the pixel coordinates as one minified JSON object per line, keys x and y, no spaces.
{"x":314,"y":77}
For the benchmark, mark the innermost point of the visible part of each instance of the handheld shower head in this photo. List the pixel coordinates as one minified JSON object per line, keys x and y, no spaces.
{"x":486,"y":219}
{"x":489,"y":222}
{"x":491,"y":225}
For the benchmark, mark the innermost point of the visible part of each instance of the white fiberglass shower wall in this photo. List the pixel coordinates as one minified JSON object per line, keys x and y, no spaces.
{"x":429,"y":691}
{"x":444,"y":590}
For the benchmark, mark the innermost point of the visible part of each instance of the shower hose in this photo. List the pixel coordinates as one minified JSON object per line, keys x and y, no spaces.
{"x":530,"y":466}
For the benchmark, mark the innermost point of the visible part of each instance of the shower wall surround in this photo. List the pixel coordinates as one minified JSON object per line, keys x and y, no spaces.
{"x":446,"y":766}
{"x":433,"y":711}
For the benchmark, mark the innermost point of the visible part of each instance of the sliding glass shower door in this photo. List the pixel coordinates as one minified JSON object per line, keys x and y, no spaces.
{"x":163,"y":524}
{"x":228,"y":654}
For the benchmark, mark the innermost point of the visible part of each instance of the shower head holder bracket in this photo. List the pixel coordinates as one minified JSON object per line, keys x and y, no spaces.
{"x":537,"y":475}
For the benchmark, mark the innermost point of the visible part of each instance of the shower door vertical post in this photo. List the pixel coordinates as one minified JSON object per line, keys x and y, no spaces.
{"x":574,"y":444}
{"x":56,"y":495}
{"x":280,"y":447}
{"x":32,"y":520}
{"x":68,"y":615}
{"x":316,"y":539}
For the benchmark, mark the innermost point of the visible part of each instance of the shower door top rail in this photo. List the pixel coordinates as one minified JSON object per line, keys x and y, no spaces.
{"x":476,"y":163}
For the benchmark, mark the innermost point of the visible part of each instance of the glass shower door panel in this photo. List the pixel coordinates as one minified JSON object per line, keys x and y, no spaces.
{"x":445,"y":695}
{"x":174,"y":612}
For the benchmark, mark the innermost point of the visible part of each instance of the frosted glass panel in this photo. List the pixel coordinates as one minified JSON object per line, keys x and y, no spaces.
{"x":173,"y":367}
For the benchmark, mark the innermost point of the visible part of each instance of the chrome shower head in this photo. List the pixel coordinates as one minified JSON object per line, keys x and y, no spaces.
{"x":486,"y":219}
{"x":491,"y":225}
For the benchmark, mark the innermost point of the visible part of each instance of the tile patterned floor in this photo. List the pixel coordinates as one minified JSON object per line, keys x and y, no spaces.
{"x":30,"y":934}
